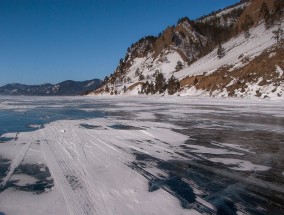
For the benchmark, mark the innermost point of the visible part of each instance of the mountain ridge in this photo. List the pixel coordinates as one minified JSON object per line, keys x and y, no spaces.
{"x":64,"y":88}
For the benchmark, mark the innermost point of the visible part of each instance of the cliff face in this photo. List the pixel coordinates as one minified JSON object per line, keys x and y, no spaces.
{"x":222,"y":54}
{"x":183,"y":39}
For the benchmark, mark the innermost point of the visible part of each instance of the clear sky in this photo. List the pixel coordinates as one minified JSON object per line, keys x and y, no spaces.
{"x":55,"y":40}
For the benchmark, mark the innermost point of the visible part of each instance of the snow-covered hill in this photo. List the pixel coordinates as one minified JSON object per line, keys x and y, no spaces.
{"x":249,"y":64}
{"x":259,"y":56}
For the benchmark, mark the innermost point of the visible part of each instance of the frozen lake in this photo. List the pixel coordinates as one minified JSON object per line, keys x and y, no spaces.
{"x":141,"y":155}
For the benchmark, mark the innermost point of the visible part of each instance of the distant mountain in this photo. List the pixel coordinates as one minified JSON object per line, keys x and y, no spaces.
{"x":233,"y":52}
{"x":65,"y":88}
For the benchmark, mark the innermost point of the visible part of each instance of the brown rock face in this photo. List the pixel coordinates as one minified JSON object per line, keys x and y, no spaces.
{"x":253,"y":15}
{"x":182,"y":38}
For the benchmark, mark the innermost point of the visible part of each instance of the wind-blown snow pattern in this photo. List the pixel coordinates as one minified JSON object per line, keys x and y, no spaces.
{"x":159,"y":155}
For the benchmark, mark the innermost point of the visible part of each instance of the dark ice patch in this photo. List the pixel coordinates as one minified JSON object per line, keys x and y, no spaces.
{"x":73,"y":181}
{"x":5,"y":139}
{"x":4,"y":167}
{"x":88,"y":126}
{"x":38,"y":171}
{"x":221,"y":190}
{"x":173,"y":184}
{"x":125,"y":127}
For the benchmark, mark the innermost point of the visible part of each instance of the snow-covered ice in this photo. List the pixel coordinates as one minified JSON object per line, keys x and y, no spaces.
{"x":240,"y":164}
{"x":140,"y":155}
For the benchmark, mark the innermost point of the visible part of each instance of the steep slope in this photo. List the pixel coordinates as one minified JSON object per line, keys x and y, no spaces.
{"x":221,"y":46}
{"x":251,"y":67}
{"x":65,"y":88}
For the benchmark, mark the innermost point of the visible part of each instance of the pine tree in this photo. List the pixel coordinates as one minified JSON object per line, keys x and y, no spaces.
{"x":156,"y":73}
{"x":173,"y":85}
{"x":144,"y":88}
{"x":160,"y":83}
{"x":279,"y":12}
{"x":264,"y":12}
{"x":107,"y":88}
{"x":112,"y":80}
{"x":220,"y":51}
{"x":141,"y":77}
{"x":279,"y":7}
{"x":106,"y":79}
{"x":137,"y":72}
{"x":179,"y":66}
{"x":152,"y":88}
{"x":247,"y":34}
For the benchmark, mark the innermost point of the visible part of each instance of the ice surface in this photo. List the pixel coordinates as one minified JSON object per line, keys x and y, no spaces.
{"x":240,"y":164}
{"x":233,"y":146}
{"x":142,"y":155}
{"x":214,"y":151}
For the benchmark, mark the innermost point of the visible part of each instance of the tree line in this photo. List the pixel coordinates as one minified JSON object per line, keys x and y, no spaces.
{"x":161,"y":85}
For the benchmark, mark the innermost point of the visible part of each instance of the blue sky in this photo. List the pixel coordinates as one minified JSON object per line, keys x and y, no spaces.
{"x":54,"y":40}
